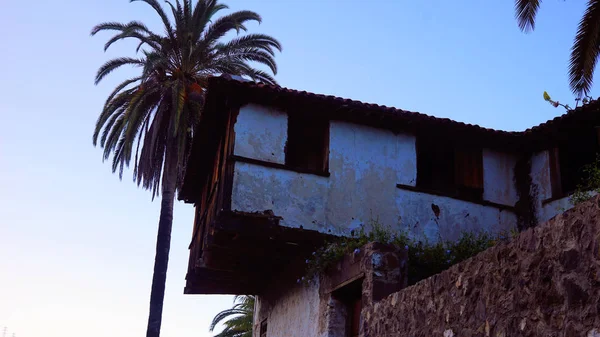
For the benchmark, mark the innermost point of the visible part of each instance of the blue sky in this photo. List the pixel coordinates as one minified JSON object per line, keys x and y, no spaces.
{"x":77,"y":244}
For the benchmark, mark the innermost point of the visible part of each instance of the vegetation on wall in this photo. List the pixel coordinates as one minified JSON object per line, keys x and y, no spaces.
{"x":424,"y":258}
{"x":590,"y":184}
{"x":527,"y":192}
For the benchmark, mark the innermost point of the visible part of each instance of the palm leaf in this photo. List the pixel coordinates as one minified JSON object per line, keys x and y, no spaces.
{"x":151,"y":117}
{"x":113,"y":64}
{"x":237,"y":320}
{"x":525,"y":12}
{"x":234,"y":21}
{"x":585,"y":50}
{"x":161,"y":13}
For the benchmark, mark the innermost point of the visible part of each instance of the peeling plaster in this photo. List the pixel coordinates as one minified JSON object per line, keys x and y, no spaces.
{"x":261,"y":133}
{"x":365,"y":165}
{"x":292,"y":314}
{"x":455,"y":216}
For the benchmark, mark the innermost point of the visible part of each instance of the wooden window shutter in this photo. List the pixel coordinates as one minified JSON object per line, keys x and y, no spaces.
{"x":468,"y":164}
{"x":555,"y":178}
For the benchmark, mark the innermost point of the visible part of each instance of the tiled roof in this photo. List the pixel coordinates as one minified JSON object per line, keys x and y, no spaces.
{"x":270,"y":93}
{"x":223,"y":90}
{"x":584,"y":113}
{"x":260,"y":89}
{"x":395,"y":119}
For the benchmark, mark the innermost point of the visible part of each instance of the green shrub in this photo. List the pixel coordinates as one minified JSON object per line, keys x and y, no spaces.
{"x":424,"y":259}
{"x":590,"y":183}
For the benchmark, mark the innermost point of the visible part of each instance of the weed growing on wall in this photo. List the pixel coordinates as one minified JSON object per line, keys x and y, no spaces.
{"x":424,"y":259}
{"x":590,"y":184}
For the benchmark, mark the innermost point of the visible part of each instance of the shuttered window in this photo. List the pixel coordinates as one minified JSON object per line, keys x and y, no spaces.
{"x":435,"y":165}
{"x":568,"y":159}
{"x":449,"y":169}
{"x":468,"y":172}
{"x":307,"y":146}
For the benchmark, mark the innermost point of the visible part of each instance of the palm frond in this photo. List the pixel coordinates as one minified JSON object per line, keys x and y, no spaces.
{"x":525,"y":13}
{"x":161,"y":13}
{"x":257,"y":41}
{"x":151,"y":117}
{"x":112,"y":104}
{"x":234,"y":21}
{"x":132,"y":25}
{"x":237,"y":318}
{"x":585,"y":50}
{"x":203,"y":14}
{"x":149,"y":40}
{"x":113,"y":64}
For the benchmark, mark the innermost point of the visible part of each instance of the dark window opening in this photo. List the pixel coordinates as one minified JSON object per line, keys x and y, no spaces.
{"x":449,"y":169}
{"x":307,"y":145}
{"x":263,"y":328}
{"x":568,"y":159}
{"x":351,"y":297}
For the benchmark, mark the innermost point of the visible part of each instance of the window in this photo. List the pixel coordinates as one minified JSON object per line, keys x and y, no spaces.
{"x":263,"y":328}
{"x":446,"y":168}
{"x":568,"y":159}
{"x":307,"y":145}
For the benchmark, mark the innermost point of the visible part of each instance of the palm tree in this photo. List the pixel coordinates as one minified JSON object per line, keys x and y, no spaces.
{"x":586,"y":46}
{"x":240,"y":325}
{"x":153,"y":114}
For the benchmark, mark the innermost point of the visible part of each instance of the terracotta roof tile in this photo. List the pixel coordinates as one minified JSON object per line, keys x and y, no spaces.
{"x":347,"y":103}
{"x":266,"y":92}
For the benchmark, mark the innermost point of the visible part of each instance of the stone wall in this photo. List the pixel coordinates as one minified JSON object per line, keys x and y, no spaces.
{"x":546,"y":282}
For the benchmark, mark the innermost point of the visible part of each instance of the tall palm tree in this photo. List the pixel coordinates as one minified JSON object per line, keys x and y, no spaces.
{"x":153,"y":114}
{"x":238,"y":320}
{"x":586,"y":46}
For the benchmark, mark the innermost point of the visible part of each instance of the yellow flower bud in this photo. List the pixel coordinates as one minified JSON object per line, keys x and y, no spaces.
{"x":546,"y":96}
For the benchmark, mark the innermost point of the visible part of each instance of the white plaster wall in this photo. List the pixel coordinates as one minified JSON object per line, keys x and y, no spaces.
{"x":455,"y":216}
{"x":542,"y":188}
{"x":295,"y":313}
{"x":260,"y":133}
{"x":298,"y":198}
{"x":365,"y":166}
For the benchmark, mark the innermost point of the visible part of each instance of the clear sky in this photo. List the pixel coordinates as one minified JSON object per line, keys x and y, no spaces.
{"x":77,"y":244}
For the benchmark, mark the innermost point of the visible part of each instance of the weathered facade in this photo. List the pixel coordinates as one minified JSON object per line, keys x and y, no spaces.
{"x":372,"y":174}
{"x":274,"y":172}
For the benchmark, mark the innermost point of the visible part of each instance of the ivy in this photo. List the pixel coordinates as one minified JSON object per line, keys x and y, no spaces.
{"x":424,"y":259}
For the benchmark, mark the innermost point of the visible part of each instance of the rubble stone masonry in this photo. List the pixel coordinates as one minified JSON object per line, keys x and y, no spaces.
{"x":545,"y":282}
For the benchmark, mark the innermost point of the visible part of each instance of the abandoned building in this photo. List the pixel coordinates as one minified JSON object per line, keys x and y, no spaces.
{"x":273,"y":172}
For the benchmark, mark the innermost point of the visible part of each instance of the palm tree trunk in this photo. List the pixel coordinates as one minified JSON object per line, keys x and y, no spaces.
{"x":163,"y":245}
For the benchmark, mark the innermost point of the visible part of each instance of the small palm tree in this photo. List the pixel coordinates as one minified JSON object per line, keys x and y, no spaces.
{"x":586,"y":46}
{"x":151,"y":117}
{"x":238,"y":320}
